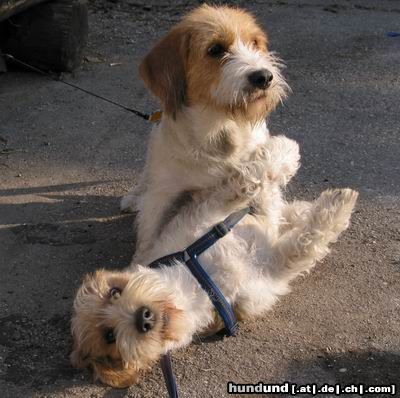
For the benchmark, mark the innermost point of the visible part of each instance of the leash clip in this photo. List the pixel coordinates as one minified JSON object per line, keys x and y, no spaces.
{"x":221,"y":229}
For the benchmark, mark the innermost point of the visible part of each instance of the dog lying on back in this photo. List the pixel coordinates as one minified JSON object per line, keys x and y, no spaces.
{"x":210,"y":156}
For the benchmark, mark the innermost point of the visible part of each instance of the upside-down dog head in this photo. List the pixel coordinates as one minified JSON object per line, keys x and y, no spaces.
{"x":218,"y":57}
{"x":122,"y":323}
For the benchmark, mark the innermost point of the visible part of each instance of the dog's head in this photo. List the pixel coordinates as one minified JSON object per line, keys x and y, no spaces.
{"x":218,"y":57}
{"x":122,"y":323}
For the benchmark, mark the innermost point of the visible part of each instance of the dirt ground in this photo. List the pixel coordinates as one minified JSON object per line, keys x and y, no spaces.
{"x":66,"y":158}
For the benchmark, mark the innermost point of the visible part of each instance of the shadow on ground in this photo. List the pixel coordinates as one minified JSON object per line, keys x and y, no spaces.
{"x":67,"y":237}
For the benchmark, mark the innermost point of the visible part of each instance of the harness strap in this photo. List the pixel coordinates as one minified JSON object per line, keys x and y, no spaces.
{"x":218,"y":232}
{"x":189,"y":256}
{"x":170,"y":381}
{"x":219,"y":301}
{"x":203,"y":243}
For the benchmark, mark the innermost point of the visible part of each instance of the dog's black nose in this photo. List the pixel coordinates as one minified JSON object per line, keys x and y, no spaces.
{"x":260,"y":78}
{"x":145,"y":319}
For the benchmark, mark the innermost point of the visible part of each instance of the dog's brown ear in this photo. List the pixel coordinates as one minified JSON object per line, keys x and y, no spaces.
{"x":164,"y":69}
{"x":79,"y":359}
{"x":116,"y":376}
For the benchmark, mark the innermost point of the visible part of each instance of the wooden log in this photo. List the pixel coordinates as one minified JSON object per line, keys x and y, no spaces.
{"x":8,"y":8}
{"x":50,"y":36}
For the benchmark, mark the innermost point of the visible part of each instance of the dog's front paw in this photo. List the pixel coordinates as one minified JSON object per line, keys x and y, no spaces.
{"x":282,"y":159}
{"x":246,"y":181}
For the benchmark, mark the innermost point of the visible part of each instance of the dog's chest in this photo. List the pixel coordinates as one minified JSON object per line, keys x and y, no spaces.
{"x":258,"y":137}
{"x":244,"y":140}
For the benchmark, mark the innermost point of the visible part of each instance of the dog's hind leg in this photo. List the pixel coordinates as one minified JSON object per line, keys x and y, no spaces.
{"x":294,"y":214}
{"x":298,"y":249}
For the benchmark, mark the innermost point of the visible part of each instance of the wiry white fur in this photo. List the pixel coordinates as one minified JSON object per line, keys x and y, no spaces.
{"x":242,"y":60}
{"x":181,"y":158}
{"x":254,"y":264}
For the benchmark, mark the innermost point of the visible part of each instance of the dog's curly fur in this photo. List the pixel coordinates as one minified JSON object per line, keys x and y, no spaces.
{"x":210,"y":156}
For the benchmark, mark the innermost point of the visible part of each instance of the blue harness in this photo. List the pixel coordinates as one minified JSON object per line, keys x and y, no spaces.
{"x":189,"y":256}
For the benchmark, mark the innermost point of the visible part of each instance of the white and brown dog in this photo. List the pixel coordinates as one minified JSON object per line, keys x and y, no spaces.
{"x":217,"y":82}
{"x":210,"y":156}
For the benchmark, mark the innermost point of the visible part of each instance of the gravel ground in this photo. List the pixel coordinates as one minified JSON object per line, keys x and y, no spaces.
{"x":66,"y":158}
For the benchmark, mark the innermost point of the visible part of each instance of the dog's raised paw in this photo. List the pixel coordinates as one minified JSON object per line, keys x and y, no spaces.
{"x":334,"y":208}
{"x":282,"y":159}
{"x":247,"y":181}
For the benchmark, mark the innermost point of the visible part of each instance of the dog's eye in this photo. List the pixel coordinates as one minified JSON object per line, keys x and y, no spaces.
{"x":109,"y":336}
{"x":255,"y":43}
{"x":115,"y":292}
{"x":216,"y":50}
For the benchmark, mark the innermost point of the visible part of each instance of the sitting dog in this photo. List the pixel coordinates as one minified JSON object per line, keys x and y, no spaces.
{"x":217,"y":83}
{"x":210,"y":156}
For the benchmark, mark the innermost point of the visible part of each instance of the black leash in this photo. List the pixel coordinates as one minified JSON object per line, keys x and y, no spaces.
{"x":189,"y":256}
{"x":170,"y":381}
{"x":144,"y":116}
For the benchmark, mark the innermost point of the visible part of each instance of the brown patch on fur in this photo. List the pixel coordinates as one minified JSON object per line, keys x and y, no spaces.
{"x":90,"y":342}
{"x":181,"y":200}
{"x":104,"y":359}
{"x":114,"y":374}
{"x":218,"y":324}
{"x":222,"y":145}
{"x":173,"y":322}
